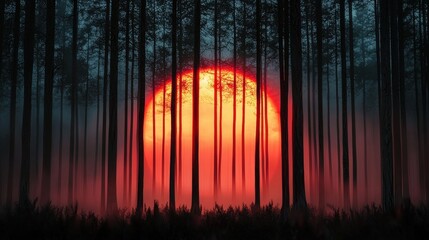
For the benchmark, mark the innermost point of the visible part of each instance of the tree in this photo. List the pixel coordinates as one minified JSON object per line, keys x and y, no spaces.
{"x":258,"y":103}
{"x":73,"y":108}
{"x":195,"y":206}
{"x":141,"y":103}
{"x":234,"y":103}
{"x":24,"y":184}
{"x":344,"y":106}
{"x":319,"y":31}
{"x":127,"y":58}
{"x":104,"y":124}
{"x":283,"y":35}
{"x":299,"y":200}
{"x":49,"y":80}
{"x":173,"y":108}
{"x":386,"y":109}
{"x":215,"y":86}
{"x":352,"y":90}
{"x":12,"y":109}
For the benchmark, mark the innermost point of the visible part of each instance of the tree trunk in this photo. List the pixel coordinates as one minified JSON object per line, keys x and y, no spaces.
{"x":104,"y":124}
{"x":258,"y":104}
{"x":243,"y":123}
{"x":73,"y":103}
{"x":130,"y":155}
{"x":173,"y":102}
{"x":319,"y":31}
{"x":396,"y":101}
{"x":299,"y":200}
{"x":49,"y":84}
{"x":337,"y":103}
{"x":215,"y":85}
{"x":234,"y":111}
{"x":386,"y":110}
{"x":127,"y":57}
{"x":195,"y":207}
{"x":283,"y":38}
{"x":141,"y":104}
{"x":154,"y":103}
{"x":97,"y":128}
{"x":12,"y":109}
{"x":85,"y":127}
{"x":344,"y":106}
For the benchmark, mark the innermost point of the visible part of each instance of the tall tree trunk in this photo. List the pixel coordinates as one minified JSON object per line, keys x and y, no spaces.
{"x":97,"y":128}
{"x":215,"y":86}
{"x":404,"y":134}
{"x":154,"y":103}
{"x":265,"y":113}
{"x":283,"y":38}
{"x":234,"y":111}
{"x":299,"y":200}
{"x":365,"y":146}
{"x":344,"y":106}
{"x":49,"y":84}
{"x":309,"y":120}
{"x":127,"y":57}
{"x":104,"y":124}
{"x":12,"y":109}
{"x":337,"y":103}
{"x":130,"y":155}
{"x":320,"y":103}
{"x":396,"y":101}
{"x":243,"y":123}
{"x":386,"y":109}
{"x":73,"y":103}
{"x":195,"y":206}
{"x":30,"y":7}
{"x":164,"y":92}
{"x":141,"y":104}
{"x":85,"y":127}
{"x":173,"y":101}
{"x":112,"y":205}
{"x":258,"y":104}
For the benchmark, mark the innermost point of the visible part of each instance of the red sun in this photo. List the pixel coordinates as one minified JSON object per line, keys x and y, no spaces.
{"x":159,"y":189}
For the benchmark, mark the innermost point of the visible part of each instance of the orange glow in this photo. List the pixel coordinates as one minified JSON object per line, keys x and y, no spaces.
{"x":206,"y":151}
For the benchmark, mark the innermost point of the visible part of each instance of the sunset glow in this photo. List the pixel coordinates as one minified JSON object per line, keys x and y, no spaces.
{"x":206,"y":150}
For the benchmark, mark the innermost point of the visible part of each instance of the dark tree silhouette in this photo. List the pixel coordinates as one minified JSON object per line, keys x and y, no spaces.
{"x":173,"y":108}
{"x":49,"y":81}
{"x":258,"y":103}
{"x":299,"y":200}
{"x":141,"y":103}
{"x":12,"y":109}
{"x":26,"y":117}
{"x":195,"y":206}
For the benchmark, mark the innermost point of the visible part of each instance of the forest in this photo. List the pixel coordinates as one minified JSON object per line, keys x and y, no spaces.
{"x":305,"y":118}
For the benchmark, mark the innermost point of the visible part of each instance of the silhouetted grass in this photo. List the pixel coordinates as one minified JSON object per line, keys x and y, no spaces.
{"x":30,"y":221}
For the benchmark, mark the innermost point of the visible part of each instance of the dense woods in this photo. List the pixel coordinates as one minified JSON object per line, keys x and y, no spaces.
{"x":349,"y":81}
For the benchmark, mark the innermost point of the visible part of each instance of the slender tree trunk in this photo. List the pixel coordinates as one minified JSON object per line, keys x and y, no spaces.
{"x":299,"y":200}
{"x":73,"y":103}
{"x":130,"y":155}
{"x":258,"y":103}
{"x":337,"y":103}
{"x":49,"y":84}
{"x":215,"y":86}
{"x":386,"y":110}
{"x":396,"y":101}
{"x":12,"y":109}
{"x":164,"y":92}
{"x":319,"y":31}
{"x":85,"y":131}
{"x":141,"y":104}
{"x":404,"y":134}
{"x":195,"y":207}
{"x":353,"y":105}
{"x":173,"y":138}
{"x":97,"y":129}
{"x":265,"y":113}
{"x":243,"y":123}
{"x":220,"y":111}
{"x":309,"y":120}
{"x":344,"y":106}
{"x":104,"y":124}
{"x":364,"y":120}
{"x":234,"y":111}
{"x":154,"y":103}
{"x":127,"y":57}
{"x":283,"y":38}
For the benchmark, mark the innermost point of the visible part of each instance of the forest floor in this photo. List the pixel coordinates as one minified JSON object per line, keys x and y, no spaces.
{"x":371,"y":222}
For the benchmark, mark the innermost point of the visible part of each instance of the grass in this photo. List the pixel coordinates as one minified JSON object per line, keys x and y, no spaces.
{"x":32,"y":221}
